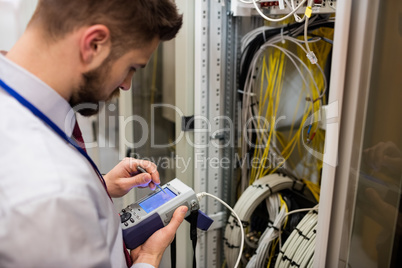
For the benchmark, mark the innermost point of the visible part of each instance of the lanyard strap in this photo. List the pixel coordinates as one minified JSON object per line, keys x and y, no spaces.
{"x":52,"y":125}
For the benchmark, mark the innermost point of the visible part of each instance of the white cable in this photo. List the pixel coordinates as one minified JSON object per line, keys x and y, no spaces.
{"x":267,"y":238}
{"x":296,"y":211}
{"x":201,"y":195}
{"x":297,"y":18}
{"x":298,"y":249}
{"x":246,"y":2}
{"x":312,"y":40}
{"x":305,"y":34}
{"x":310,"y":54}
{"x":247,"y":203}
{"x":280,"y":19}
{"x":265,"y":241}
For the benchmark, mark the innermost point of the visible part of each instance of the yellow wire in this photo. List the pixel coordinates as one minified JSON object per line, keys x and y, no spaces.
{"x":272,"y":76}
{"x":272,"y":252}
{"x":314,"y":189}
{"x":275,"y":94}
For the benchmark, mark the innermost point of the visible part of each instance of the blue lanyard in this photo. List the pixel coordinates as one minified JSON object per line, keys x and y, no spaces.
{"x":52,"y":125}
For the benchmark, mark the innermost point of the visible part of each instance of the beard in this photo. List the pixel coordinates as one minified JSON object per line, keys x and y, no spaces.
{"x":88,"y":98}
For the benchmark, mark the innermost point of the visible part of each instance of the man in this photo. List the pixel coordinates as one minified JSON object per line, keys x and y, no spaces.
{"x":54,"y":208}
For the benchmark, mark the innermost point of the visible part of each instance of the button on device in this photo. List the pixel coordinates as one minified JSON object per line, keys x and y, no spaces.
{"x":125,"y":224}
{"x":125,"y":216}
{"x":132,"y":220}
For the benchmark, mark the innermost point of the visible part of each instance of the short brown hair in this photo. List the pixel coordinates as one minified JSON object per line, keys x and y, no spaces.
{"x":132,"y":23}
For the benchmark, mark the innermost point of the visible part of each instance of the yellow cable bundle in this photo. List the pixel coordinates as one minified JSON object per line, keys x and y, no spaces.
{"x":271,"y":75}
{"x":269,"y":86}
{"x":271,"y":100}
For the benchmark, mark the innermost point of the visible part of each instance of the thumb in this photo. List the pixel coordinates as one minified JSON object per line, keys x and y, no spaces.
{"x":177,"y":219}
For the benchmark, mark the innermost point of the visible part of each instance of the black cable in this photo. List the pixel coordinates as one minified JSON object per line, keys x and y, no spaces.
{"x":173,"y":253}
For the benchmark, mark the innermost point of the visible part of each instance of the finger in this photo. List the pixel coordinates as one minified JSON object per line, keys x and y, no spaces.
{"x":152,"y":185}
{"x":134,"y":253}
{"x":155,"y":177}
{"x":133,"y":164}
{"x":152,"y":169}
{"x":141,"y":180}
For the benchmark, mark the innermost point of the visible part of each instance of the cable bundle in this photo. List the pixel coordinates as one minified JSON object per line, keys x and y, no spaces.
{"x":263,"y":64}
{"x":266,"y":241}
{"x":298,"y":251}
{"x":254,"y":195}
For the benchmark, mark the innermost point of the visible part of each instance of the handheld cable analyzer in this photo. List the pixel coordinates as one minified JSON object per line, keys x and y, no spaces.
{"x":154,"y":211}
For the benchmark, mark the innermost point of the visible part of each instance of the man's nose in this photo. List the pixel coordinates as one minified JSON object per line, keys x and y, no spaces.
{"x":126,"y":85}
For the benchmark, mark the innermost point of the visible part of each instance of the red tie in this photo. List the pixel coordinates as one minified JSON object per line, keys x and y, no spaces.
{"x":77,"y":135}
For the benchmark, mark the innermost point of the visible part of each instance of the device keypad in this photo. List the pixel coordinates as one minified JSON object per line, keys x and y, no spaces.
{"x":125,"y":216}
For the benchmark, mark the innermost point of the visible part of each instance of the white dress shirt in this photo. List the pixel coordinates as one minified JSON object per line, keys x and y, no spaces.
{"x":54,"y":210}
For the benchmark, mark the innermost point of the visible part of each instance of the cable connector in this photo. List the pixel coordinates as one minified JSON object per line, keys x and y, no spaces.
{"x":311,"y":56}
{"x":201,"y":195}
{"x":308,"y":12}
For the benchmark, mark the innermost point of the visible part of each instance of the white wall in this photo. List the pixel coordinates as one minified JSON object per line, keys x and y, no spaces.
{"x":14,"y":16}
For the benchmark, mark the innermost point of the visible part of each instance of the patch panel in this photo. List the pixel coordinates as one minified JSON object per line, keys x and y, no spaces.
{"x":270,"y":7}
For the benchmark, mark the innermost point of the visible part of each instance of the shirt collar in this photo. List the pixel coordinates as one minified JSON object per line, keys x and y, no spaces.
{"x":39,"y":94}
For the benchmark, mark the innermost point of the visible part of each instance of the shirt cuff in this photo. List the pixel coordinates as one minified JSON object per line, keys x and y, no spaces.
{"x":142,"y":265}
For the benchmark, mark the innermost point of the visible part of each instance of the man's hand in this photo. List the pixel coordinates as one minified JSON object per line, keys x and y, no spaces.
{"x":152,"y":250}
{"x":124,"y":176}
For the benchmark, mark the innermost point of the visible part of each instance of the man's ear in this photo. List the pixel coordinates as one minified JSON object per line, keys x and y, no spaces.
{"x":95,"y":45}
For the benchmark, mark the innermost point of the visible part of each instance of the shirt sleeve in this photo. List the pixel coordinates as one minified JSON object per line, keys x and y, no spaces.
{"x":142,"y":265}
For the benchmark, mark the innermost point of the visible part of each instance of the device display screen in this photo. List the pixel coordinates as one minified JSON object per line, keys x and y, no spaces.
{"x":157,"y":200}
